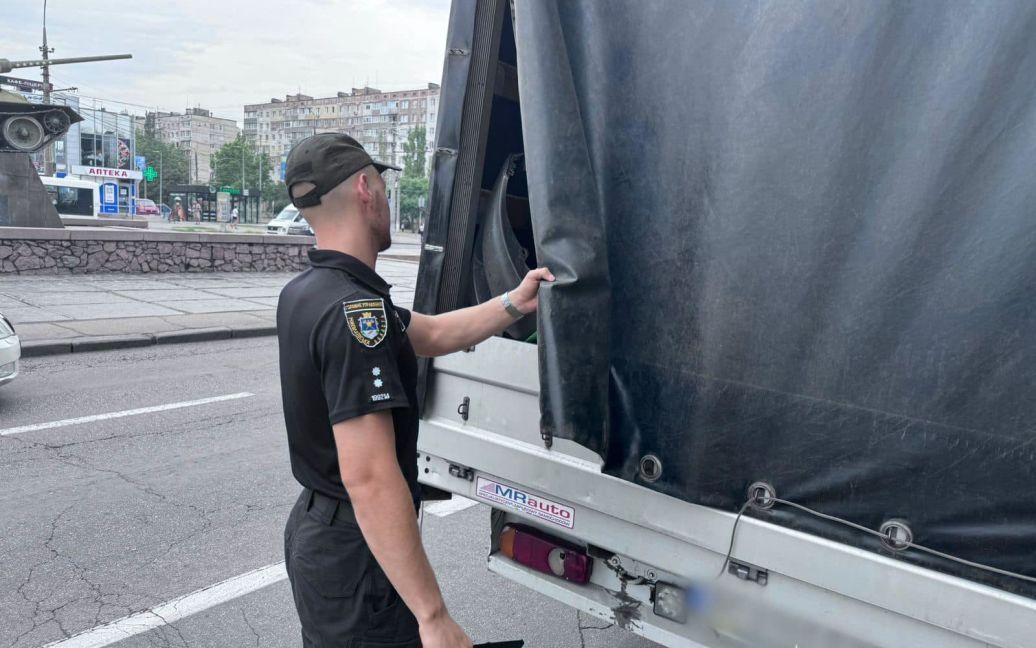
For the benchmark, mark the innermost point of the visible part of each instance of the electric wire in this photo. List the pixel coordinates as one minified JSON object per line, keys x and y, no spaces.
{"x":863,"y":529}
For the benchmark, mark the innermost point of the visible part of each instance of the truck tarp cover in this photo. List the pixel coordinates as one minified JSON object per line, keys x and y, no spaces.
{"x":796,"y":243}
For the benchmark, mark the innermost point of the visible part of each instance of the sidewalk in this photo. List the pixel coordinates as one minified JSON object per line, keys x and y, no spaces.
{"x":70,"y":313}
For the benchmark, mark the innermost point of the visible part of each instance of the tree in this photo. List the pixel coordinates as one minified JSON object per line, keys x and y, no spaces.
{"x":414,"y":153}
{"x":170,"y":162}
{"x":411,"y":190}
{"x":234,"y":159}
{"x":275,"y":196}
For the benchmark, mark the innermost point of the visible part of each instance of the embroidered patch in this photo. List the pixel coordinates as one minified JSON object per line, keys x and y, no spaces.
{"x":367,"y":321}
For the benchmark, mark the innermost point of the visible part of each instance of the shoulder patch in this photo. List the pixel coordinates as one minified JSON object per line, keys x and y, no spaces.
{"x":367,"y":320}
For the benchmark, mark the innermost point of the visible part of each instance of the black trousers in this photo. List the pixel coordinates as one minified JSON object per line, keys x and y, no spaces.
{"x":343,"y":598}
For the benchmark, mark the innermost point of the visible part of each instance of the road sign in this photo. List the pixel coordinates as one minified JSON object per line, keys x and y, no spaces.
{"x":140,"y":162}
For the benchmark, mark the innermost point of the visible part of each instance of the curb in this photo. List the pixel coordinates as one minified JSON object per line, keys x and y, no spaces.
{"x":37,"y":348}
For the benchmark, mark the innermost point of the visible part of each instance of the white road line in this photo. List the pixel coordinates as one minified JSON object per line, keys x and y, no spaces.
{"x":114,"y":415}
{"x":450,"y":506}
{"x":174,"y":610}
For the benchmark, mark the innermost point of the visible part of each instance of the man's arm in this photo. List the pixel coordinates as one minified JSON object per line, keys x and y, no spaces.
{"x":384,"y":510}
{"x":436,"y":335}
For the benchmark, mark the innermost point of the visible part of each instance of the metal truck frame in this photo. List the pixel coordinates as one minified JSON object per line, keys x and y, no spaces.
{"x":759,"y":585}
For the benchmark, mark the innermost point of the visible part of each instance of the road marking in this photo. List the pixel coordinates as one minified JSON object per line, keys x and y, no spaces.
{"x":174,"y":610}
{"x":115,"y":415}
{"x":450,"y":506}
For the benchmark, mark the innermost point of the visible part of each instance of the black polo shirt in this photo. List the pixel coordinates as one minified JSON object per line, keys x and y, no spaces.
{"x":344,"y":352}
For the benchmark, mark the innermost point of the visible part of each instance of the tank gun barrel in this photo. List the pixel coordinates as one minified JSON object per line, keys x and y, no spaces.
{"x":7,"y":65}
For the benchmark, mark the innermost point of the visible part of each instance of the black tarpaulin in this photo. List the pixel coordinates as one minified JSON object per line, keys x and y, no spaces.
{"x":796,"y":243}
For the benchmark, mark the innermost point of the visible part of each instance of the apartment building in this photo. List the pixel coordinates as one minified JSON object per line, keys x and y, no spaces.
{"x":380,"y":120}
{"x":199,"y":133}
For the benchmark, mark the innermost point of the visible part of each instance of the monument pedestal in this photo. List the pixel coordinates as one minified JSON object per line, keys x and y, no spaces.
{"x":23,"y":200}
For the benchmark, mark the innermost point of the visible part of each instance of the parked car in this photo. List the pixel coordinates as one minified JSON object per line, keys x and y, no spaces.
{"x":147,"y":207}
{"x":300,"y":228}
{"x":10,"y":351}
{"x":287,"y":217}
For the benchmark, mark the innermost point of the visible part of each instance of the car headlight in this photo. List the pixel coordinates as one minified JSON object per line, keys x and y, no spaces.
{"x":6,"y":328}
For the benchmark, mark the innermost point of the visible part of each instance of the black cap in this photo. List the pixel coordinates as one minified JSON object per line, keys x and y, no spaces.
{"x":326,"y":160}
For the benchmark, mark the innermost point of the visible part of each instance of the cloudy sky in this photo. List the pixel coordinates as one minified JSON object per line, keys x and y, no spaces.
{"x":222,"y":54}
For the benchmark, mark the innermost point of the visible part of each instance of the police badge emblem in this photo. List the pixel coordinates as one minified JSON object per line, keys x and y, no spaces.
{"x":367,"y":321}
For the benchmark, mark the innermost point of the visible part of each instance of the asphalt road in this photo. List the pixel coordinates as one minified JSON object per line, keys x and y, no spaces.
{"x":113,"y":516}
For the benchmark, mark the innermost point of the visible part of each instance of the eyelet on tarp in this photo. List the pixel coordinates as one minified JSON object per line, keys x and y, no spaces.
{"x":650,"y":468}
{"x":896,"y":534}
{"x":762,"y":495}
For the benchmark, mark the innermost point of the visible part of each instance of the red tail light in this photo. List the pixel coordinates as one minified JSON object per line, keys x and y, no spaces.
{"x":546,"y":554}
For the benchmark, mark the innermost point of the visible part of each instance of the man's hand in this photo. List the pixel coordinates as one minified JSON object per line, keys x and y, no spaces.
{"x":449,"y":332}
{"x":526,"y":296}
{"x":443,"y":632}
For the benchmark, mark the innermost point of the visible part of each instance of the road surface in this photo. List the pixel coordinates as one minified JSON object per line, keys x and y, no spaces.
{"x":133,"y":482}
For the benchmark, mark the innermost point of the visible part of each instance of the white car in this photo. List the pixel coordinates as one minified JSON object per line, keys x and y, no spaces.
{"x":10,"y":351}
{"x":284,"y":222}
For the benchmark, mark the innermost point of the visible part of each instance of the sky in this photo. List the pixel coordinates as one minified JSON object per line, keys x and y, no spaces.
{"x":222,"y":54}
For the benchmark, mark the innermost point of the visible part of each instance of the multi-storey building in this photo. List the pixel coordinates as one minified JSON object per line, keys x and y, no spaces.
{"x":381,"y":121}
{"x":200,"y":134}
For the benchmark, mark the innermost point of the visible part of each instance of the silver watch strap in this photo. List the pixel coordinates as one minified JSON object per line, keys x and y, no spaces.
{"x":511,"y":308}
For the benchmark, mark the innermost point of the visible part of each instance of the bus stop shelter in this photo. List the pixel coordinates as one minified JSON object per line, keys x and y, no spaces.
{"x":247,"y":202}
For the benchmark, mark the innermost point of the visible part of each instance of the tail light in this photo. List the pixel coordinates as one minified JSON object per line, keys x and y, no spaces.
{"x":546,"y":554}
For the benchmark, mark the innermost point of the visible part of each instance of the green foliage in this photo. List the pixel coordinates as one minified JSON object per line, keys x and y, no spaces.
{"x":414,"y":153}
{"x":275,"y":196}
{"x":411,"y":190}
{"x":171,"y":163}
{"x":236,"y":165}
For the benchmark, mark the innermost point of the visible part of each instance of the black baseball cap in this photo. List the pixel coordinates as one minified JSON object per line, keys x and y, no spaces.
{"x":326,"y":160}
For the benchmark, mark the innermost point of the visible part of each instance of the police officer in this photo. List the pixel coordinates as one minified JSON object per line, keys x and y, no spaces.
{"x":359,"y":574}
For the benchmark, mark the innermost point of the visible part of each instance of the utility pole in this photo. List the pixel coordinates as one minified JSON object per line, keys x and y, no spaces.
{"x":46,"y":51}
{"x":161,"y":175}
{"x":49,"y":166}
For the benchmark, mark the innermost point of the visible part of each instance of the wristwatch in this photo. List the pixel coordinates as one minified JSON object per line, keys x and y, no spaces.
{"x":511,"y":309}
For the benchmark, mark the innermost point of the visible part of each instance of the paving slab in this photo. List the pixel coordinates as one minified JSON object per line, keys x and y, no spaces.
{"x":11,"y":302}
{"x":269,"y":315}
{"x":201,"y":283}
{"x":128,"y":284}
{"x":167,"y":294}
{"x":105,"y":311}
{"x":270,"y":302}
{"x":74,"y":298}
{"x":121,"y":326}
{"x":30,"y":315}
{"x":15,"y":289}
{"x":255,"y":291}
{"x":206,"y":320}
{"x":221,"y":305}
{"x":45,"y":331}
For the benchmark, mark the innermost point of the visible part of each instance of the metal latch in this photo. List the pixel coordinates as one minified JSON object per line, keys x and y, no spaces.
{"x":464,"y":408}
{"x":747,"y":572}
{"x":462,"y":472}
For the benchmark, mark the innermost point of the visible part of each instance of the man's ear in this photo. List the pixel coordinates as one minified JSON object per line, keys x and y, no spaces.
{"x":363,"y":188}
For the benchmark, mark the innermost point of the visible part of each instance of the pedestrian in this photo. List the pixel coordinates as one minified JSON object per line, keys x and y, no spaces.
{"x":348,"y":362}
{"x":179,"y":212}
{"x":196,"y":210}
{"x":234,"y":215}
